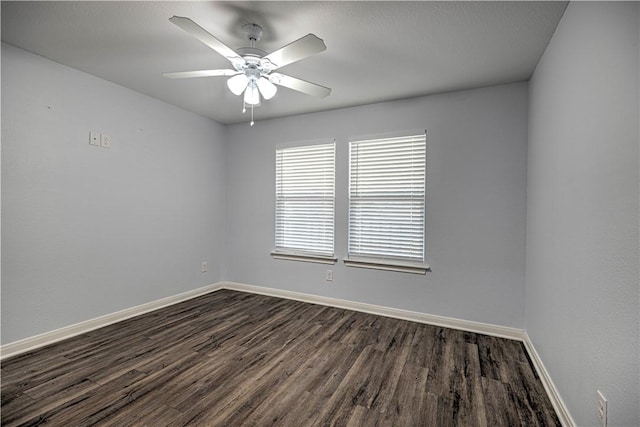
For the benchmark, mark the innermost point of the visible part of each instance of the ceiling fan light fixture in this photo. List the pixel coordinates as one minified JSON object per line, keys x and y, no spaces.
{"x":237,"y":84}
{"x":252,"y":95}
{"x":267,"y":89}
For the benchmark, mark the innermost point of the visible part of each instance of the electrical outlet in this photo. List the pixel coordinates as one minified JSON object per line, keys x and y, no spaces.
{"x":105,"y":141}
{"x":602,"y":408}
{"x":329,"y":276}
{"x":204,"y":267}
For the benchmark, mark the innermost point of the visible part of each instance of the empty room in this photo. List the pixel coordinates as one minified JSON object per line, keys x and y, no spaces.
{"x":320,"y":213}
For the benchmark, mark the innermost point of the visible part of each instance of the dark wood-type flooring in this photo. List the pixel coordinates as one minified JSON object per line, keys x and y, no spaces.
{"x":232,"y":358}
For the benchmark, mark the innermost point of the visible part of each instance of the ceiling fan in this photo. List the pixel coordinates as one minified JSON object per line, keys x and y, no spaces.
{"x":253,"y":69}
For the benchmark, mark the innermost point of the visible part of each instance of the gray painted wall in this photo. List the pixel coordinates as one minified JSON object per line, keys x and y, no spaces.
{"x":476,"y":203}
{"x":582,"y":234}
{"x":88,"y":231}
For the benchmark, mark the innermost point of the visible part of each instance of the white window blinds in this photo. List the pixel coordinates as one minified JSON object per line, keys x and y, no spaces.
{"x":305,"y":199}
{"x":387,"y":198}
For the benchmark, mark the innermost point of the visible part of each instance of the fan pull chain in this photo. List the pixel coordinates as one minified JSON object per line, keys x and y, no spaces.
{"x":244,"y":110}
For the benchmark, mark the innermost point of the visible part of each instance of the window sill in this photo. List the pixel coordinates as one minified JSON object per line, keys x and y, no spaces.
{"x":291,"y":256}
{"x":388,"y":265}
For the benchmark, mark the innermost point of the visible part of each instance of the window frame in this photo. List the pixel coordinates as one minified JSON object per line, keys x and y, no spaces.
{"x":302,"y":254}
{"x":386,"y":262}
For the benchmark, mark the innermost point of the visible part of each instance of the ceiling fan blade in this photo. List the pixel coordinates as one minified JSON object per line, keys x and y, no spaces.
{"x":299,"y":85}
{"x":200,"y":73}
{"x":294,"y":51}
{"x":205,"y":37}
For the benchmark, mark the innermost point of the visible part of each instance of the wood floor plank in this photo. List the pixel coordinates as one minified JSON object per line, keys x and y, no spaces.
{"x":342,"y":358}
{"x":146,"y":412}
{"x":405,"y":407}
{"x":361,"y":417}
{"x":350,"y":389}
{"x":303,"y":413}
{"x":498,"y":412}
{"x":234,"y":358}
{"x":422,"y":345}
{"x":23,"y":376}
{"x":528,"y":395}
{"x":492,"y":358}
{"x":269,"y":410}
{"x":73,"y":410}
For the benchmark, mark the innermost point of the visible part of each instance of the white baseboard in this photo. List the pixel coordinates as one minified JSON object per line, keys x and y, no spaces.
{"x":41,"y":340}
{"x":549,"y":386}
{"x":447,"y":322}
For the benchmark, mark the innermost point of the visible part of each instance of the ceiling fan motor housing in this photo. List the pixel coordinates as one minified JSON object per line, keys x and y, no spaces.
{"x":252,"y":72}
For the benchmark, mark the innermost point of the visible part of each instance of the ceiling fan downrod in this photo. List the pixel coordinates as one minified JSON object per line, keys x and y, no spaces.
{"x":253,"y":32}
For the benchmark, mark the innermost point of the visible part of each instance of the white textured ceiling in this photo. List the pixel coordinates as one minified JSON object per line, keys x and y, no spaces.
{"x":376,"y":51}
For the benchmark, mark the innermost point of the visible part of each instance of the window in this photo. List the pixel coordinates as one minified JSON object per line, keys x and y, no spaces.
{"x":305,"y":203}
{"x":387,"y":203}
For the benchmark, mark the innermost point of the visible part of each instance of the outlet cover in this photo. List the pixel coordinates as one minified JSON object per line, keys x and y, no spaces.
{"x":602,"y":408}
{"x":105,"y":141}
